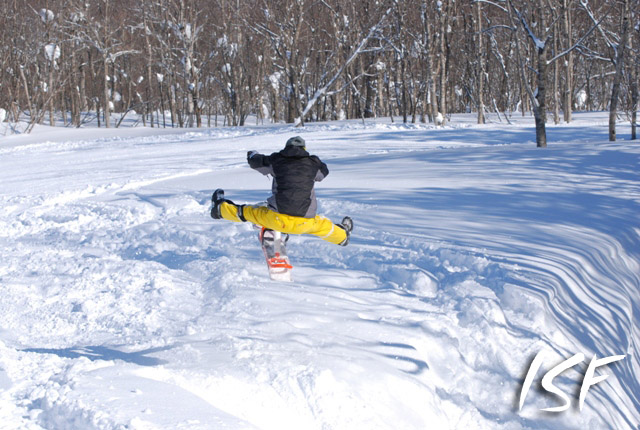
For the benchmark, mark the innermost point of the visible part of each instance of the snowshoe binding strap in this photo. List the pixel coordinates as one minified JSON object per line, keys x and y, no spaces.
{"x":279,"y":263}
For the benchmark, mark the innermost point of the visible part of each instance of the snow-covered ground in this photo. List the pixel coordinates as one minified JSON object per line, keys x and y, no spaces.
{"x":124,"y":306}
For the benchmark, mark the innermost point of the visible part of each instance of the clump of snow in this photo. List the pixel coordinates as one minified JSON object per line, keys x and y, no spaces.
{"x":52,"y":52}
{"x":274,"y":79}
{"x":581,"y":99}
{"x":46,"y":15}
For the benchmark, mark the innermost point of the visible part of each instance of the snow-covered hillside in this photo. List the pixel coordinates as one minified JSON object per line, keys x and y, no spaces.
{"x":125,"y":306}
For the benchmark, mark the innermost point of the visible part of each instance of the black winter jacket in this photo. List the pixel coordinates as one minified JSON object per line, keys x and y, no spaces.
{"x":294,"y":173}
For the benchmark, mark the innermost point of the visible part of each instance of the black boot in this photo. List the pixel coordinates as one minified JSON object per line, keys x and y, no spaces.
{"x":216,"y":199}
{"x":347,"y":225}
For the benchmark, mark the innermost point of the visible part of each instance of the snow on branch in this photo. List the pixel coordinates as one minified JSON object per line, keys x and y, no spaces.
{"x":46,"y":15}
{"x":536,"y":41}
{"x":578,"y":43}
{"x":493,"y":3}
{"x":114,"y":56}
{"x":587,"y":9}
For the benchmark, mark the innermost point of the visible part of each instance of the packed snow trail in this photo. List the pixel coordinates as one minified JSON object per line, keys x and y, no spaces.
{"x":125,"y":306}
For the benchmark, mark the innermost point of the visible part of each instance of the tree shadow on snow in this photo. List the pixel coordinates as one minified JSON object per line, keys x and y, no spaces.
{"x":94,"y":353}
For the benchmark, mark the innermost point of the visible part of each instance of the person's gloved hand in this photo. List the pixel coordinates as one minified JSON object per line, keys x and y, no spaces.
{"x":251,"y":154}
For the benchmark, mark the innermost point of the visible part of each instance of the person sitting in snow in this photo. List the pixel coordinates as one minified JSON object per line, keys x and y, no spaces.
{"x":292,"y":207}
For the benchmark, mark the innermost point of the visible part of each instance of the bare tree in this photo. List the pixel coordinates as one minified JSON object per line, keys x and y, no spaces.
{"x":540,"y":45}
{"x":538,"y":13}
{"x":235,"y":61}
{"x":284,"y":25}
{"x":96,"y":28}
{"x":617,"y":46}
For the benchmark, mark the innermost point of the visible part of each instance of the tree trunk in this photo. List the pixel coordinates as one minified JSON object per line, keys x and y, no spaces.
{"x":633,"y":88}
{"x":164,"y":118}
{"x":390,"y":110}
{"x":568,"y":92}
{"x":26,"y":93}
{"x":403,"y":63}
{"x":523,"y":95}
{"x":173,"y":107}
{"x":75,"y":95}
{"x":149,"y":103}
{"x":291,"y":105}
{"x":430,"y":93}
{"x":380,"y":93}
{"x":615,"y":91}
{"x":371,"y":85}
{"x":275,"y":107}
{"x":195,"y":94}
{"x":50,"y":92}
{"x":75,"y":114}
{"x":481,"y":72}
{"x":107,"y":107}
{"x":540,"y":108}
{"x":556,"y":86}
{"x":84,"y":102}
{"x":634,"y":105}
{"x":443,"y":67}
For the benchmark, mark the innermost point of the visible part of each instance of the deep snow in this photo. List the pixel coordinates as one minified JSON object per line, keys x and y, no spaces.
{"x":125,"y":306}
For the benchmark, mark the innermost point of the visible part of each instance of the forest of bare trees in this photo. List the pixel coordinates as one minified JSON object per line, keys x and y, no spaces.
{"x":184,"y":63}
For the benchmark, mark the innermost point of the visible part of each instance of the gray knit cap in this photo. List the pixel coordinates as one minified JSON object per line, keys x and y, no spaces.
{"x":296,"y":141}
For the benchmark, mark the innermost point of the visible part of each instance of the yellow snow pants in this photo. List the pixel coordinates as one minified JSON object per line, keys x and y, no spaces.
{"x":265,"y":217}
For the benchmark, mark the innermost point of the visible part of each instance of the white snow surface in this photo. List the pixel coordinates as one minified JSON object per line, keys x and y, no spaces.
{"x":125,"y":306}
